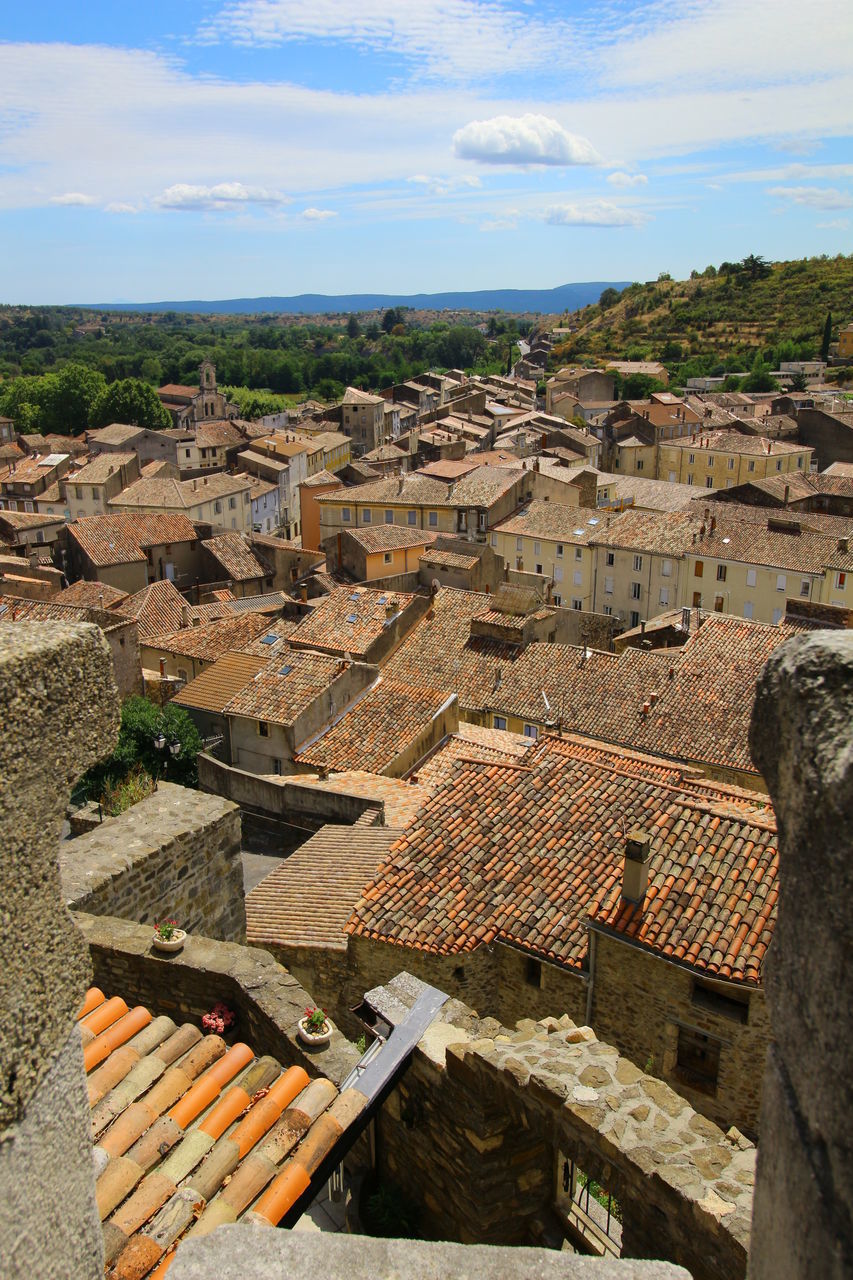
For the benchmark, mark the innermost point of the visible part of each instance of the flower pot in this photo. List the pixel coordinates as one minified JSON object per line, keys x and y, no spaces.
{"x":315,"y":1038}
{"x":174,"y":943}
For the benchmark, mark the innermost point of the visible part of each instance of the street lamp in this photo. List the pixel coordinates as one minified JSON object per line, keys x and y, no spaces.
{"x":160,"y":741}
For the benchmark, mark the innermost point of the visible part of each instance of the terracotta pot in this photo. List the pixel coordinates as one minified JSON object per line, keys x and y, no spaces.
{"x":174,"y":943}
{"x":316,"y":1038}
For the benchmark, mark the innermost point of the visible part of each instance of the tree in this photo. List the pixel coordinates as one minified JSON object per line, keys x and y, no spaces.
{"x":393,"y":316}
{"x":353,"y":329}
{"x":754,"y":267}
{"x":72,"y":396}
{"x":827,"y":337}
{"x":609,"y":297}
{"x":141,"y":722}
{"x":798,"y":382}
{"x":130,"y":401}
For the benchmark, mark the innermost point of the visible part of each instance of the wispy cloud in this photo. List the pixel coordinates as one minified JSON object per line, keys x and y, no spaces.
{"x":444,"y":186}
{"x":813,"y":197}
{"x":835,"y":224}
{"x":221,"y":197}
{"x":593,"y":213}
{"x":318,"y":215}
{"x":522,"y":140}
{"x":119,"y":206}
{"x":72,"y":198}
{"x":621,"y":179}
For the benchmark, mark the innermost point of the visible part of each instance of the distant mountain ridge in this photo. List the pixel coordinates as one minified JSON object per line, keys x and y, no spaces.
{"x":566,"y":297}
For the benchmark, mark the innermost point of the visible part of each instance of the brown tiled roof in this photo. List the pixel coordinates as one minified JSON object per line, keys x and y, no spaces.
{"x":120,"y":539}
{"x":163,"y":1097}
{"x":349,"y":620}
{"x":115,"y":433}
{"x":470,"y":742}
{"x":479,"y":488}
{"x":274,"y":640}
{"x":321,"y":478}
{"x":734,"y":442}
{"x":552,"y":521}
{"x":308,"y":898}
{"x":99,"y":595}
{"x":447,"y":559}
{"x":377,"y":730}
{"x":217,"y":432}
{"x":387,"y":537}
{"x":525,"y":855}
{"x":353,"y":395}
{"x":401,"y":799}
{"x":220,"y":682}
{"x":28,"y":519}
{"x":285,"y":687}
{"x":159,"y":491}
{"x":18,"y":609}
{"x":158,"y":608}
{"x":177,"y":389}
{"x":101,"y":466}
{"x":233,"y":552}
{"x":210,"y":640}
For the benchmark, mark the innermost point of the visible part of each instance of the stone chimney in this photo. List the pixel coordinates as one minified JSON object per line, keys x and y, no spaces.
{"x":162,"y":668}
{"x":185,"y":615}
{"x":635,"y":870}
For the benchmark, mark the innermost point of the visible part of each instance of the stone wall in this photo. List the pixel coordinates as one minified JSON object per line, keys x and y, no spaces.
{"x":641,"y":1002}
{"x":186,"y":984}
{"x":287,"y":798}
{"x":477,"y":1131}
{"x":48,"y":1221}
{"x":174,"y":855}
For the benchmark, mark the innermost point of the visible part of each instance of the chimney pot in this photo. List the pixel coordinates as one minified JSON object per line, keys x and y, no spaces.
{"x":635,"y":870}
{"x":162,"y":668}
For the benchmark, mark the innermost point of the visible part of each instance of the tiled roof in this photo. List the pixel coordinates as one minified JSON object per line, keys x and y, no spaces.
{"x":552,"y":521}
{"x":216,"y":433}
{"x":734,"y":442}
{"x":286,"y":687}
{"x":525,"y":854}
{"x":449,"y":468}
{"x":28,"y":519}
{"x":387,"y":537}
{"x":99,"y":595}
{"x":350,"y":619}
{"x":470,"y":742}
{"x":209,"y":641}
{"x":652,"y":495}
{"x":386,"y":453}
{"x":401,"y":799}
{"x":320,"y":478}
{"x":102,"y":466}
{"x":308,"y":898}
{"x":29,"y":470}
{"x":665,"y":532}
{"x":233,"y":552}
{"x":274,"y":640}
{"x":447,"y":559}
{"x":119,"y":539}
{"x":115,"y":433}
{"x":220,"y":682}
{"x":378,"y":728}
{"x":158,"y":491}
{"x":18,"y":609}
{"x":177,"y":389}
{"x":353,"y":395}
{"x":158,"y":608}
{"x":479,"y":488}
{"x":188,"y":1132}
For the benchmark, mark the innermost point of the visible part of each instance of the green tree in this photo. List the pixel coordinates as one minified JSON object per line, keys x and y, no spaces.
{"x":798,"y":382}
{"x":754,"y":267}
{"x":141,"y":722}
{"x":130,"y":401}
{"x":827,"y":337}
{"x":71,"y":396}
{"x":352,"y":327}
{"x":609,"y":297}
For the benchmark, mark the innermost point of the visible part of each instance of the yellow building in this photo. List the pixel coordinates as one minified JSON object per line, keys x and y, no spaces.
{"x":723,"y":459}
{"x":219,"y":499}
{"x":552,"y":541}
{"x":845,"y":342}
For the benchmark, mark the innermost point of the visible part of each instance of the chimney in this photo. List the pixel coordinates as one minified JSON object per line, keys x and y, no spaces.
{"x":787,"y":492}
{"x":685,"y":618}
{"x":303,"y":593}
{"x":162,"y":668}
{"x":390,"y":609}
{"x":635,"y":870}
{"x":185,"y":615}
{"x":713,"y":523}
{"x":844,"y":545}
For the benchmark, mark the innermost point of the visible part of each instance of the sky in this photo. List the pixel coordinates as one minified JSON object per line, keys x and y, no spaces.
{"x":235,"y":148}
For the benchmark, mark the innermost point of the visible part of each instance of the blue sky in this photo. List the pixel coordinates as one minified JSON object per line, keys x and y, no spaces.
{"x":223,"y":148}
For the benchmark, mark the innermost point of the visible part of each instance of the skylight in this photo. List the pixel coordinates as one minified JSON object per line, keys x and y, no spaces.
{"x":285,"y":671}
{"x":269,"y":639}
{"x":351,"y":617}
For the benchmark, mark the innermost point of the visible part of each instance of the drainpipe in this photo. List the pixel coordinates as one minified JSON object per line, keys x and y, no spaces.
{"x":590,"y":986}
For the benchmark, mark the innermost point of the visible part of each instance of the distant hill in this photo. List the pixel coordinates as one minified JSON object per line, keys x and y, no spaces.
{"x":728,"y":314}
{"x":566,"y":297}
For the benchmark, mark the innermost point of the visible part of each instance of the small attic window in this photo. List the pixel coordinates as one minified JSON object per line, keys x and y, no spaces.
{"x":269,"y":639}
{"x":351,"y":617}
{"x":285,"y":671}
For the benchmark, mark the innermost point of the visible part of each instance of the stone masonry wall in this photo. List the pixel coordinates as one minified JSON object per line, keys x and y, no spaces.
{"x":174,"y":855}
{"x":639,"y":1003}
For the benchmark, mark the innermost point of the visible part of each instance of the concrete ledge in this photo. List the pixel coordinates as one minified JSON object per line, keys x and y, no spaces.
{"x":249,"y":1253}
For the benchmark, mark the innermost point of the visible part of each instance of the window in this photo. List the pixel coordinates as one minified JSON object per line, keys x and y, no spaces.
{"x":578,"y":552}
{"x":735,"y":1007}
{"x":78,"y":490}
{"x":263,"y":729}
{"x":800,"y":463}
{"x":494,"y":539}
{"x":666,"y":569}
{"x":346,"y":515}
{"x":635,"y":618}
{"x":433,"y":519}
{"x":671,"y":477}
{"x":721,"y":573}
{"x":718,"y":604}
{"x":750,"y":466}
{"x":519,"y":544}
{"x":691,"y":457}
{"x":387,"y":558}
{"x":607,"y":611}
{"x":751,"y":576}
{"x":777,"y":616}
{"x":690,"y":478}
{"x":533,"y":972}
{"x":530,"y":731}
{"x":779,"y":465}
{"x":560,"y":551}
{"x":482,"y":521}
{"x":187,"y":452}
{"x":840,"y":581}
{"x":498,"y":722}
{"x":366,"y":516}
{"x":710,"y":460}
{"x":635,"y":590}
{"x":697,"y":599}
{"x":664,"y":595}
{"x":698,"y":569}
{"x":577,"y":605}
{"x":638,"y":564}
{"x":709,"y":483}
{"x":558,"y":573}
{"x":28,"y":506}
{"x":217,"y":507}
{"x":781,"y":582}
{"x":731,"y":464}
{"x":698,"y":1059}
{"x":232,"y":502}
{"x":537,"y":549}
{"x":749,"y":609}
{"x":557,"y":600}
{"x":805,"y":589}
{"x":608,"y":586}
{"x":610,"y":558}
{"x":389,"y":517}
{"x":639,"y":464}
{"x":538,"y":568}
{"x":411,"y":517}
{"x":182,"y":674}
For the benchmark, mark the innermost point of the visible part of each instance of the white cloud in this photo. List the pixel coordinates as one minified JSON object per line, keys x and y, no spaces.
{"x":72,"y":198}
{"x":593,"y":213}
{"x":446,"y":186}
{"x":835,"y":224}
{"x":119,"y":206}
{"x":813,"y":197}
{"x":621,"y":179}
{"x":318,"y":215}
{"x":522,"y":140}
{"x":222,"y":196}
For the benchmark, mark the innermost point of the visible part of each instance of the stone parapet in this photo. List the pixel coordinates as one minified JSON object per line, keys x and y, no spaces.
{"x":174,"y":855}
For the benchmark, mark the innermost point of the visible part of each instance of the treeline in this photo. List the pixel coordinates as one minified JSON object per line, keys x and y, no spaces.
{"x":254,"y":353}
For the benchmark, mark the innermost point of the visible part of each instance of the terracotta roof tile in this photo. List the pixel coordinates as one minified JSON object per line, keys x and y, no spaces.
{"x":220,"y":682}
{"x":211,"y":640}
{"x":285,"y":687}
{"x":99,"y":595}
{"x":379,"y":727}
{"x":121,"y":539}
{"x":239,"y":561}
{"x":350,"y":620}
{"x":158,"y":608}
{"x":387,"y":537}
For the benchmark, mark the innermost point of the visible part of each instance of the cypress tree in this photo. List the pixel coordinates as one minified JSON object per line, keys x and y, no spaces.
{"x":827,"y":335}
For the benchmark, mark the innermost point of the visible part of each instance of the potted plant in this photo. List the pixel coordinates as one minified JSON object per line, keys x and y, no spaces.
{"x":219,"y":1019}
{"x":315,"y":1028}
{"x":167,"y":936}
